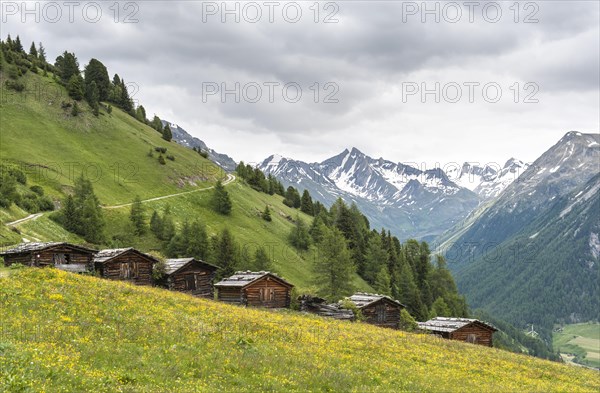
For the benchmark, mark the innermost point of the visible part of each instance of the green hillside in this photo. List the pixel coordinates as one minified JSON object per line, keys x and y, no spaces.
{"x":112,"y":150}
{"x":580,"y":343}
{"x":63,"y":332}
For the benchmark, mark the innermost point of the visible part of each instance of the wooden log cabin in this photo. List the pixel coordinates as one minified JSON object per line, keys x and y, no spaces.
{"x":380,"y":310}
{"x":126,"y":264}
{"x":64,"y":256}
{"x":257,"y":289}
{"x":190,"y":275}
{"x":461,"y":329}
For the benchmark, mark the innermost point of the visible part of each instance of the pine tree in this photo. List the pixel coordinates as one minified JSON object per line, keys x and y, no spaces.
{"x":333,"y":266}
{"x":439,"y":308}
{"x":156,"y":224}
{"x":306,"y":203}
{"x":317,"y":229}
{"x":224,"y":254}
{"x":75,"y":87}
{"x":262,"y":261}
{"x":42,"y":54}
{"x":156,"y":124}
{"x":92,"y":97}
{"x":197,"y":244}
{"x":382,"y":281}
{"x":299,"y":236}
{"x":167,"y":135}
{"x":125,"y":100}
{"x":17,"y":47}
{"x":221,"y":202}
{"x":266,"y":214}
{"x":140,"y":114}
{"x":69,"y":214}
{"x":376,"y":259}
{"x":33,"y":51}
{"x":136,"y":216}
{"x":67,"y":66}
{"x":292,"y":198}
{"x":96,"y":72}
{"x":407,"y":322}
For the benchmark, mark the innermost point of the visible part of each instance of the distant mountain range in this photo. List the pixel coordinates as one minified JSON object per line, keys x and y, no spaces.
{"x":184,"y":138}
{"x":532,"y":254}
{"x":412,"y":202}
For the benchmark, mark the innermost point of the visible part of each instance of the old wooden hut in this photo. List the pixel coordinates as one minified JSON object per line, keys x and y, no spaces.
{"x":380,"y":310}
{"x":64,"y":256}
{"x":258,"y":289}
{"x":319,"y":306}
{"x":190,"y":275}
{"x":461,"y":329}
{"x":127,"y":264}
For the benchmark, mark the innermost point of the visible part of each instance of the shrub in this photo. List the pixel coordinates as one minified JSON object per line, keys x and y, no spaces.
{"x":14,"y":85}
{"x":160,"y":149}
{"x":171,"y":157}
{"x":75,"y":111}
{"x":161,"y":160}
{"x":65,"y":105}
{"x":37,"y":189}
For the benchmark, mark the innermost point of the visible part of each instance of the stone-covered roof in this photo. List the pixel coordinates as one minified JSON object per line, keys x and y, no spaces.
{"x":174,"y":264}
{"x":241,"y":279}
{"x":362,"y":299}
{"x":108,"y":254}
{"x":449,"y":325}
{"x":25,"y":248}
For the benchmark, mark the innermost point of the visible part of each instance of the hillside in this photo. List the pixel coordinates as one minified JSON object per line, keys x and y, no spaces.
{"x":532,"y":255}
{"x":63,"y":332}
{"x":54,"y":148}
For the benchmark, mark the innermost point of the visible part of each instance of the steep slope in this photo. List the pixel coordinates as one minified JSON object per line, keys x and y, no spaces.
{"x":99,"y":335}
{"x":54,"y":148}
{"x":184,"y":138}
{"x":532,"y":256}
{"x":411,"y":202}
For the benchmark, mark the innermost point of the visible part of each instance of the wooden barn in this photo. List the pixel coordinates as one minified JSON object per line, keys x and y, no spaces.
{"x":258,"y":289}
{"x":461,"y":329}
{"x":64,"y":256}
{"x":127,"y":264}
{"x":190,"y":275}
{"x":380,"y":310}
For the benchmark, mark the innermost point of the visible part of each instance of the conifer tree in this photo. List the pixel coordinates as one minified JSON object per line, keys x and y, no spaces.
{"x":266,"y":214}
{"x":224,"y":254}
{"x":306,"y":203}
{"x":17,"y":46}
{"x":67,"y":67}
{"x":136,"y":216}
{"x":262,"y":261}
{"x":96,"y":72}
{"x":333,"y":266}
{"x":33,"y":51}
{"x":42,"y":54}
{"x":92,"y":97}
{"x":197,"y":244}
{"x":75,"y":87}
{"x":299,"y":236}
{"x":167,"y":135}
{"x":221,"y":202}
{"x":156,"y":224}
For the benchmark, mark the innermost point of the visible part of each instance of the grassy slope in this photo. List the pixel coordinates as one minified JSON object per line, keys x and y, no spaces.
{"x":583,"y":340}
{"x":37,"y":131}
{"x":63,"y":332}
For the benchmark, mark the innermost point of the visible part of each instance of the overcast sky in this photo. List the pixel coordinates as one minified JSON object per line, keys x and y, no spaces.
{"x":368,"y":63}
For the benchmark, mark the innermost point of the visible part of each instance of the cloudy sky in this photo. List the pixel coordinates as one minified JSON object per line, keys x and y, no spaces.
{"x":510,"y":80}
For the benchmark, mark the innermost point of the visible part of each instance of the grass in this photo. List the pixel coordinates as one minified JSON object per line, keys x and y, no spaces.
{"x":580,"y":340}
{"x":53,"y":147}
{"x":68,"y":333}
{"x":111,"y":150}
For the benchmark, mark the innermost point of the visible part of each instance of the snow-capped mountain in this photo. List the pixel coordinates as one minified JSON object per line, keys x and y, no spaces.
{"x":532,"y":254}
{"x":487,"y":181}
{"x":411,"y":201}
{"x":182,"y":137}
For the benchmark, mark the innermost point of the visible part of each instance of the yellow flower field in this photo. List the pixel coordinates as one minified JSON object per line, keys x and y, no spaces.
{"x":65,"y":333}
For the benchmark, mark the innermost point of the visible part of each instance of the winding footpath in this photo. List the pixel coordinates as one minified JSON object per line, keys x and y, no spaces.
{"x":230,"y":178}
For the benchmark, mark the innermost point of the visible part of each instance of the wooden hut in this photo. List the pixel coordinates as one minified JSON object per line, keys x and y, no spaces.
{"x":64,"y":256}
{"x":258,"y":289}
{"x":190,"y":275}
{"x":461,"y":329}
{"x":127,"y":264}
{"x":380,"y":310}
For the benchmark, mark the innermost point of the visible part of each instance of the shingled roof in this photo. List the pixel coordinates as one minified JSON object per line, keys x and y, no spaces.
{"x":444,"y":324}
{"x":25,"y":248}
{"x":106,"y":255}
{"x":241,"y":279}
{"x":174,"y":264}
{"x":362,"y":299}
